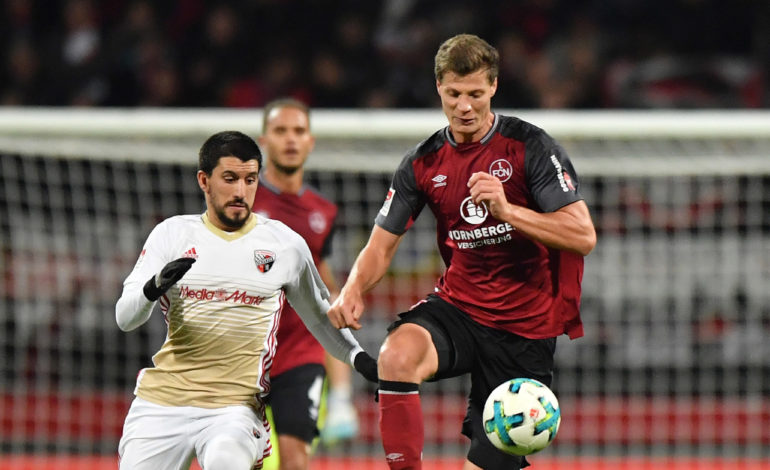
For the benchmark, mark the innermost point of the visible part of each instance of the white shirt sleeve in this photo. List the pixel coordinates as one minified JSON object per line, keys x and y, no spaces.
{"x":133,"y":309}
{"x":308,"y":295}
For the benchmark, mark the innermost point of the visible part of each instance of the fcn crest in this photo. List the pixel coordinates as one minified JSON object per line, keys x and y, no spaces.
{"x":264,"y":260}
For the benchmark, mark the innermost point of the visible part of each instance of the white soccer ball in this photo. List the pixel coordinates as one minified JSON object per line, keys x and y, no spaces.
{"x":521,"y":416}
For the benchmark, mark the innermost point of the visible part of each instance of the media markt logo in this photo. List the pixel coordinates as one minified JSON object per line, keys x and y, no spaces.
{"x":473,"y":213}
{"x":264,"y":260}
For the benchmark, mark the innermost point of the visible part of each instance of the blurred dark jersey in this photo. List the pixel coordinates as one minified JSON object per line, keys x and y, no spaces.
{"x":499,"y":277}
{"x":312,"y":216}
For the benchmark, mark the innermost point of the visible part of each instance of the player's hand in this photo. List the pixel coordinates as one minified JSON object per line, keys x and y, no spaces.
{"x":346,"y":310}
{"x":366,"y":365}
{"x":167,"y":277}
{"x":487,"y":189}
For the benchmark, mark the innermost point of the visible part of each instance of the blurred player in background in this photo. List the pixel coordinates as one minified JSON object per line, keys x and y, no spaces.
{"x":298,"y":368}
{"x":512,"y":229}
{"x":221,"y":278}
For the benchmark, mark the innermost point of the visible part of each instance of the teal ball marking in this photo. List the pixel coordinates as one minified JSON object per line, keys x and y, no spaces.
{"x":500,"y":423}
{"x":515,"y":384}
{"x":550,"y":421}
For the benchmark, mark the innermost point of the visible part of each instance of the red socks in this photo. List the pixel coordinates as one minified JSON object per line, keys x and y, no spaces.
{"x":401,"y":424}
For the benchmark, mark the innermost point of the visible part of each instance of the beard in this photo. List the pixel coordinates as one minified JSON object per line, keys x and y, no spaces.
{"x":233,"y":223}
{"x":286,"y":170}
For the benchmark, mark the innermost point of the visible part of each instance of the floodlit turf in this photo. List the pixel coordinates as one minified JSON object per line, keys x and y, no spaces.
{"x":376,"y":463}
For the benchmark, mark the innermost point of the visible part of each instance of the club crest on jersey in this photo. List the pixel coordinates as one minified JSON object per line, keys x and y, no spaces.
{"x":264,"y":260}
{"x":501,"y":169}
{"x":317,"y":222}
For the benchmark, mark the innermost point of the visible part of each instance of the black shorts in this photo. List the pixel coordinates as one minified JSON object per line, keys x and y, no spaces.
{"x":294,"y":411}
{"x":491,"y":356}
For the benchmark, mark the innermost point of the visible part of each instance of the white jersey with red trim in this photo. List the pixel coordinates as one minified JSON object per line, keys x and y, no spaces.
{"x":222,"y":315}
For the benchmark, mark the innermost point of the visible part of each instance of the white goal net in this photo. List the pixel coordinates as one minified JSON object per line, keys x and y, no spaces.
{"x":676,"y":300}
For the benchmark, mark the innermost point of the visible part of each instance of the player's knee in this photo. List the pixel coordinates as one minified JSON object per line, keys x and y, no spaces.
{"x":294,"y":461}
{"x":294,"y":452}
{"x":226,"y":453}
{"x":407,"y":355}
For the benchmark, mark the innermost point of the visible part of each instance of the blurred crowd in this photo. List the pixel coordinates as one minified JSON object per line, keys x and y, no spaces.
{"x":355,"y":54}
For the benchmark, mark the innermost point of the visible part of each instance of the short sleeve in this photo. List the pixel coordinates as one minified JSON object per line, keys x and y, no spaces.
{"x":551,"y":178}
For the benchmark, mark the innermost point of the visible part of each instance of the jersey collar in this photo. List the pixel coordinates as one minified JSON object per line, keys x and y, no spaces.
{"x":229,"y":236}
{"x":484,"y":140}
{"x":275,"y":190}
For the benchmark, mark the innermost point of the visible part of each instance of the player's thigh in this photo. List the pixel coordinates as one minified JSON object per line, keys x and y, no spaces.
{"x":233,"y":437}
{"x":502,"y":356}
{"x":447,"y":325}
{"x":295,"y":400}
{"x":155,"y":436}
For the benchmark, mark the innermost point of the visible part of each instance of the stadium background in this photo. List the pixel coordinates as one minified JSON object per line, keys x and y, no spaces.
{"x":674,"y":371}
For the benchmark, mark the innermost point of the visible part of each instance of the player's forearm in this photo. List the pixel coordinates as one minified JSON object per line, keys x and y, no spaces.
{"x":569,"y":228}
{"x":367,"y":271}
{"x":341,"y":344}
{"x":132,"y":309}
{"x":328,"y":278}
{"x":373,"y":261}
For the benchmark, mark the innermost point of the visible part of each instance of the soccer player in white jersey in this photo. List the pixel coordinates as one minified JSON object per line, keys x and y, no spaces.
{"x":220,"y":278}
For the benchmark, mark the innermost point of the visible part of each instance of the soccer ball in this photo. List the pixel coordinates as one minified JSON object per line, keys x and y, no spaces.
{"x":521,"y":416}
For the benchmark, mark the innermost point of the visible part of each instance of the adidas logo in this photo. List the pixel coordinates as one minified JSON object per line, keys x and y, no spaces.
{"x":191,"y":253}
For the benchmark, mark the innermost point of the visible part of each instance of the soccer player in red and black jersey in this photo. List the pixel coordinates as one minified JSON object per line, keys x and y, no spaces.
{"x":298,"y":369}
{"x":512,"y":230}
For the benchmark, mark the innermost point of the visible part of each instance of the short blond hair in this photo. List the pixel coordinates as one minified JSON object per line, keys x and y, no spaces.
{"x":465,"y":54}
{"x":283,"y":103}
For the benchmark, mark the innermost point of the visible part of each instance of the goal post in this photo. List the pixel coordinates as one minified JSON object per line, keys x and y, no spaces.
{"x":676,"y":302}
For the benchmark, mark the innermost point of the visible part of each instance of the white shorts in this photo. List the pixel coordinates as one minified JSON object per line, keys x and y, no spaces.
{"x":168,"y":437}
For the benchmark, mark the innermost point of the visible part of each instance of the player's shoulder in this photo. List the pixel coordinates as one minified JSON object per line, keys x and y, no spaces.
{"x":533,"y":136}
{"x":314,"y":197}
{"x":288,"y":240}
{"x":279,"y":230}
{"x":179,"y":222}
{"x":521,"y":130}
{"x":429,"y":146}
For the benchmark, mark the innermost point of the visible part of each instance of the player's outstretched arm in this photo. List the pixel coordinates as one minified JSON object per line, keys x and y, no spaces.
{"x":372,"y":263}
{"x":135,"y":306}
{"x":308,"y":295}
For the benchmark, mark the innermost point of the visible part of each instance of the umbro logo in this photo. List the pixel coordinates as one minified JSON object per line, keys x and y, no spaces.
{"x":439,"y":180}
